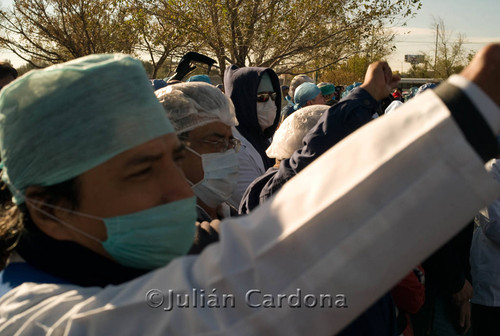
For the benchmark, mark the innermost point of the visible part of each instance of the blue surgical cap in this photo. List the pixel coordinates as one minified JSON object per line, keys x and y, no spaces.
{"x":61,"y":121}
{"x":424,"y":87}
{"x":199,"y":78}
{"x":158,"y":84}
{"x":305,"y":92}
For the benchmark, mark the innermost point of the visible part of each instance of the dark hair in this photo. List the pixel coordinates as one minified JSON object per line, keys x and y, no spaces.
{"x":6,"y":69}
{"x":14,"y":218}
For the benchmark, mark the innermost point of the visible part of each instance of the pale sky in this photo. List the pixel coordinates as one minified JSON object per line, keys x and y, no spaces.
{"x":477,"y":20}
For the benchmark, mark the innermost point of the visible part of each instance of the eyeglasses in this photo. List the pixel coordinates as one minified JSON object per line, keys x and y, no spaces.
{"x":220,"y":146}
{"x":263,"y":97}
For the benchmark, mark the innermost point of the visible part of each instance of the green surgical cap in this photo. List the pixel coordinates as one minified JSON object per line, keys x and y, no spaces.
{"x":265,"y":84}
{"x":64,"y":120}
{"x":326,"y":88}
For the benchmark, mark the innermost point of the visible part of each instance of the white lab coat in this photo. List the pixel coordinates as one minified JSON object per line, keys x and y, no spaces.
{"x":354,"y":222}
{"x":251,"y":167}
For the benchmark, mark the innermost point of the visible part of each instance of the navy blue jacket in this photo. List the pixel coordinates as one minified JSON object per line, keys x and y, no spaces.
{"x":339,"y":121}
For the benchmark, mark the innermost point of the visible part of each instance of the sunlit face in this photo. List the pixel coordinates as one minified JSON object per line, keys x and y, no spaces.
{"x":318,"y":100}
{"x":328,"y":97}
{"x":140,"y":178}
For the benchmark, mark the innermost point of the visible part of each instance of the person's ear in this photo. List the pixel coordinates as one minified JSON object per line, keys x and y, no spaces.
{"x":46,"y":218}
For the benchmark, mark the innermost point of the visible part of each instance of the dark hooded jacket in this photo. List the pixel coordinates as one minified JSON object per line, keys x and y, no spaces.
{"x":241,"y":86}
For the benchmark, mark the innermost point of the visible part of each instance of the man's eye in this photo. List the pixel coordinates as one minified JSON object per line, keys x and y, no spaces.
{"x":142,"y":172}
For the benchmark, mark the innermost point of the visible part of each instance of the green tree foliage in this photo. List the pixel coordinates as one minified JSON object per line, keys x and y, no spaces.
{"x":353,"y":69}
{"x":55,"y":31}
{"x":160,"y":41}
{"x":451,"y":54}
{"x":350,"y":71}
{"x":288,"y":35}
{"x":291,"y":36}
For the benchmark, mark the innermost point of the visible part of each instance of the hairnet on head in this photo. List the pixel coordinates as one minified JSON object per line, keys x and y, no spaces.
{"x":200,"y":78}
{"x":297,"y":81}
{"x":305,"y":92}
{"x":326,"y":88}
{"x":61,"y":121}
{"x":195,"y":104}
{"x":288,"y":138}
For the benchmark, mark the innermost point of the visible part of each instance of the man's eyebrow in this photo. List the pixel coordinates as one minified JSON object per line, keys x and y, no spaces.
{"x":219,"y":135}
{"x":143,"y":158}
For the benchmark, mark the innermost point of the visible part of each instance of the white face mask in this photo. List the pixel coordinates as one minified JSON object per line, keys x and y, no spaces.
{"x":219,"y":179}
{"x":266,"y":112}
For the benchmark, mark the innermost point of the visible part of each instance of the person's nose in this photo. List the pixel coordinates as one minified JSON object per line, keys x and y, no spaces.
{"x":174,"y":184}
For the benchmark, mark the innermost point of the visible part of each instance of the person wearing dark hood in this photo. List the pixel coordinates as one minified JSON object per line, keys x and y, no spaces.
{"x":7,"y":74}
{"x":255,"y":93}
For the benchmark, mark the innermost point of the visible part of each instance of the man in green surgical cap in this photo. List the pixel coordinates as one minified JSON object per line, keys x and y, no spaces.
{"x":92,"y":167}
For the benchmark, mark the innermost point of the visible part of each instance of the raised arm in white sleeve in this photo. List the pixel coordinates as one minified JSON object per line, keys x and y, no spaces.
{"x":353,"y":223}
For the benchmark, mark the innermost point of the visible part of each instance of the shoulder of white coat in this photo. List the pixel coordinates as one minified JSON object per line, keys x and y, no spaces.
{"x":19,"y":306}
{"x":248,"y":154}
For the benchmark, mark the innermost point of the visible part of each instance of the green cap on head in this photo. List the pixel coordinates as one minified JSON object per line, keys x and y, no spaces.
{"x":61,"y":121}
{"x":265,"y":84}
{"x":326,"y":88}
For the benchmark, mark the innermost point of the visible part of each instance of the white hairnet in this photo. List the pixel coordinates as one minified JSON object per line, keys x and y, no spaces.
{"x":194,"y":104}
{"x":61,"y":121}
{"x":288,"y":137}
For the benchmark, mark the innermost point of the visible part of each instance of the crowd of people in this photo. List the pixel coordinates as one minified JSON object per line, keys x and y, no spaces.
{"x":138,"y":207}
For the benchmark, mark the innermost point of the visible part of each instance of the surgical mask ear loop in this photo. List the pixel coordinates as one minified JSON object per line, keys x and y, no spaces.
{"x":33,"y":201}
{"x":193,"y":151}
{"x":191,"y":184}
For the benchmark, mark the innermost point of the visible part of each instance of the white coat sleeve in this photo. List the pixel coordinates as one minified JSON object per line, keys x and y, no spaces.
{"x":250,"y":168}
{"x":354,"y":222}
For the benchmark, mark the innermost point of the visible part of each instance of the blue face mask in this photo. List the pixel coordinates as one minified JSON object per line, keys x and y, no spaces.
{"x":151,"y":238}
{"x":146,"y":239}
